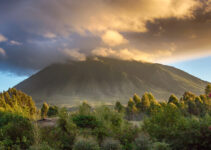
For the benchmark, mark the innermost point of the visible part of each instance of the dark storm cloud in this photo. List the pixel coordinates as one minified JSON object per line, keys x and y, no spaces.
{"x":42,"y":32}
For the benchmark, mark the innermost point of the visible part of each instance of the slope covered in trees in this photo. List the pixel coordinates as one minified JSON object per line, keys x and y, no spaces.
{"x":107,"y":80}
{"x":177,"y":124}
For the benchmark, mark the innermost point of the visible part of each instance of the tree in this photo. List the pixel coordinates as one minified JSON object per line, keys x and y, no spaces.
{"x":131,"y":103}
{"x":188,"y":96}
{"x":16,"y":101}
{"x":136,"y":99}
{"x":151,"y":98}
{"x":119,"y":107}
{"x":44,"y":110}
{"x":145,"y":103}
{"x":53,"y":111}
{"x":173,"y":99}
{"x":208,"y":91}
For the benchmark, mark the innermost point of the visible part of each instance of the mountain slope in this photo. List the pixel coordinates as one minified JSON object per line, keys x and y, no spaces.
{"x":107,"y":80}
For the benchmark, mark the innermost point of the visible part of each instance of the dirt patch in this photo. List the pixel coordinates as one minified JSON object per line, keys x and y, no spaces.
{"x":47,"y":122}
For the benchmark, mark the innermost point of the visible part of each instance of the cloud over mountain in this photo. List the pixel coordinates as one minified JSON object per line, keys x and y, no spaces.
{"x":37,"y":33}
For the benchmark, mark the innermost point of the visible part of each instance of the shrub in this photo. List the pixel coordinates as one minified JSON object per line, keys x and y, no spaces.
{"x":53,"y":111}
{"x":143,"y":142}
{"x":180,"y":132}
{"x":85,"y":121}
{"x":111,"y":144}
{"x":15,"y":130}
{"x":126,"y":135}
{"x":43,"y":146}
{"x":161,"y":146}
{"x":86,"y":144}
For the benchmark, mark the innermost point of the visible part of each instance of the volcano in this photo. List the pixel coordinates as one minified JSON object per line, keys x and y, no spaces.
{"x":106,"y":80}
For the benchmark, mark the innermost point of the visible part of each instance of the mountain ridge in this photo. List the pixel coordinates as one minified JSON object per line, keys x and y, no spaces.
{"x":107,"y":80}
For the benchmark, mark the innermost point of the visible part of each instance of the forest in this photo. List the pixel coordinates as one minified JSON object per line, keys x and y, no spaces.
{"x":144,"y":123}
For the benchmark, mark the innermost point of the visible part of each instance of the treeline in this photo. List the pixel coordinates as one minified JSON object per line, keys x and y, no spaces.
{"x":188,"y":104}
{"x":177,"y":124}
{"x":16,"y":101}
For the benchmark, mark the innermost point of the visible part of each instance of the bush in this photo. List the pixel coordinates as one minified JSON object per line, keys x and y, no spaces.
{"x":86,"y":144}
{"x":53,"y":111}
{"x":63,"y":135}
{"x":180,"y":132}
{"x":161,"y":146}
{"x":43,"y":146}
{"x":15,"y":130}
{"x":85,"y":121}
{"x":143,"y":142}
{"x":126,"y":135}
{"x":111,"y":144}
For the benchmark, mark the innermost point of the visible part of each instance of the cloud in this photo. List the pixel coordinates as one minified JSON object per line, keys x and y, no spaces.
{"x":2,"y":52}
{"x":50,"y":35}
{"x":15,"y":43}
{"x":75,"y":54}
{"x":113,"y":38}
{"x":151,"y":30}
{"x":2,"y":38}
{"x":132,"y":54}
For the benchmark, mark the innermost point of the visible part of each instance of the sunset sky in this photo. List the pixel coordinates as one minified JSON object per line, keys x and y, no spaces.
{"x":36,"y":33}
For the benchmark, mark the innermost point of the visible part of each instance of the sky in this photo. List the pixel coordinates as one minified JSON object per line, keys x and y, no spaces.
{"x":35,"y":34}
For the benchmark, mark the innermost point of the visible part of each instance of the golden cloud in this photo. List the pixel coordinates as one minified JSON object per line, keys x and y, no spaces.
{"x":113,"y":38}
{"x":132,"y":54}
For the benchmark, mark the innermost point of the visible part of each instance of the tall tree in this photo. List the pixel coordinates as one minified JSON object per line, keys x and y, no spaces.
{"x":173,"y":99}
{"x":136,"y":99}
{"x":145,"y":103}
{"x":44,"y":110}
{"x":208,"y":91}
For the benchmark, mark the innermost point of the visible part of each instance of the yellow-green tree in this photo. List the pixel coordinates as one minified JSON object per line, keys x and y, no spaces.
{"x":136,"y":99}
{"x":44,"y":110}
{"x":16,"y":101}
{"x":173,"y":99}
{"x":145,"y":103}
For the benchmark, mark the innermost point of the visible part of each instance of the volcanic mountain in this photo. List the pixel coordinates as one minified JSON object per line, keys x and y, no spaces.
{"x":107,"y":80}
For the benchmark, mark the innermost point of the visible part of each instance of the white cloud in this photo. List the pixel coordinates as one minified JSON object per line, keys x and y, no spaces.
{"x":2,"y":52}
{"x":74,"y":54}
{"x":2,"y":38}
{"x":113,"y":38}
{"x":15,"y":43}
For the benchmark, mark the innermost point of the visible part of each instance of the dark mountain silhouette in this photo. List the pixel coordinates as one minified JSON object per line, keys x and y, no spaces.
{"x":107,"y":80}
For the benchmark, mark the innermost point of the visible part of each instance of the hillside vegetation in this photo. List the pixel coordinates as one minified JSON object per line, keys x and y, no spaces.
{"x":177,"y":124}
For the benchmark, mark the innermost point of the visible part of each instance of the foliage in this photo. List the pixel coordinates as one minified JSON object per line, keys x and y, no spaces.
{"x":53,"y":111}
{"x":180,"y":132}
{"x":119,"y":107}
{"x":85,"y":121}
{"x":44,"y":110}
{"x":15,"y":130}
{"x":111,"y":144}
{"x":161,"y":146}
{"x":16,"y":101}
{"x":86,"y":144}
{"x":43,"y":146}
{"x":62,"y":136}
{"x":173,"y":99}
{"x":143,"y":142}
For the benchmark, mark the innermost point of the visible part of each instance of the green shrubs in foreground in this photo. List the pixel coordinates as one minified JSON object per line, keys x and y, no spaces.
{"x":180,"y":124}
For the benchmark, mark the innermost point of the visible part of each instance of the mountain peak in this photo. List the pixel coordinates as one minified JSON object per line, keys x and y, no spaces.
{"x":100,"y":79}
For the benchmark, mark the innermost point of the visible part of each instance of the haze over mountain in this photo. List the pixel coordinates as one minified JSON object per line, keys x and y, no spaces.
{"x":107,"y":80}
